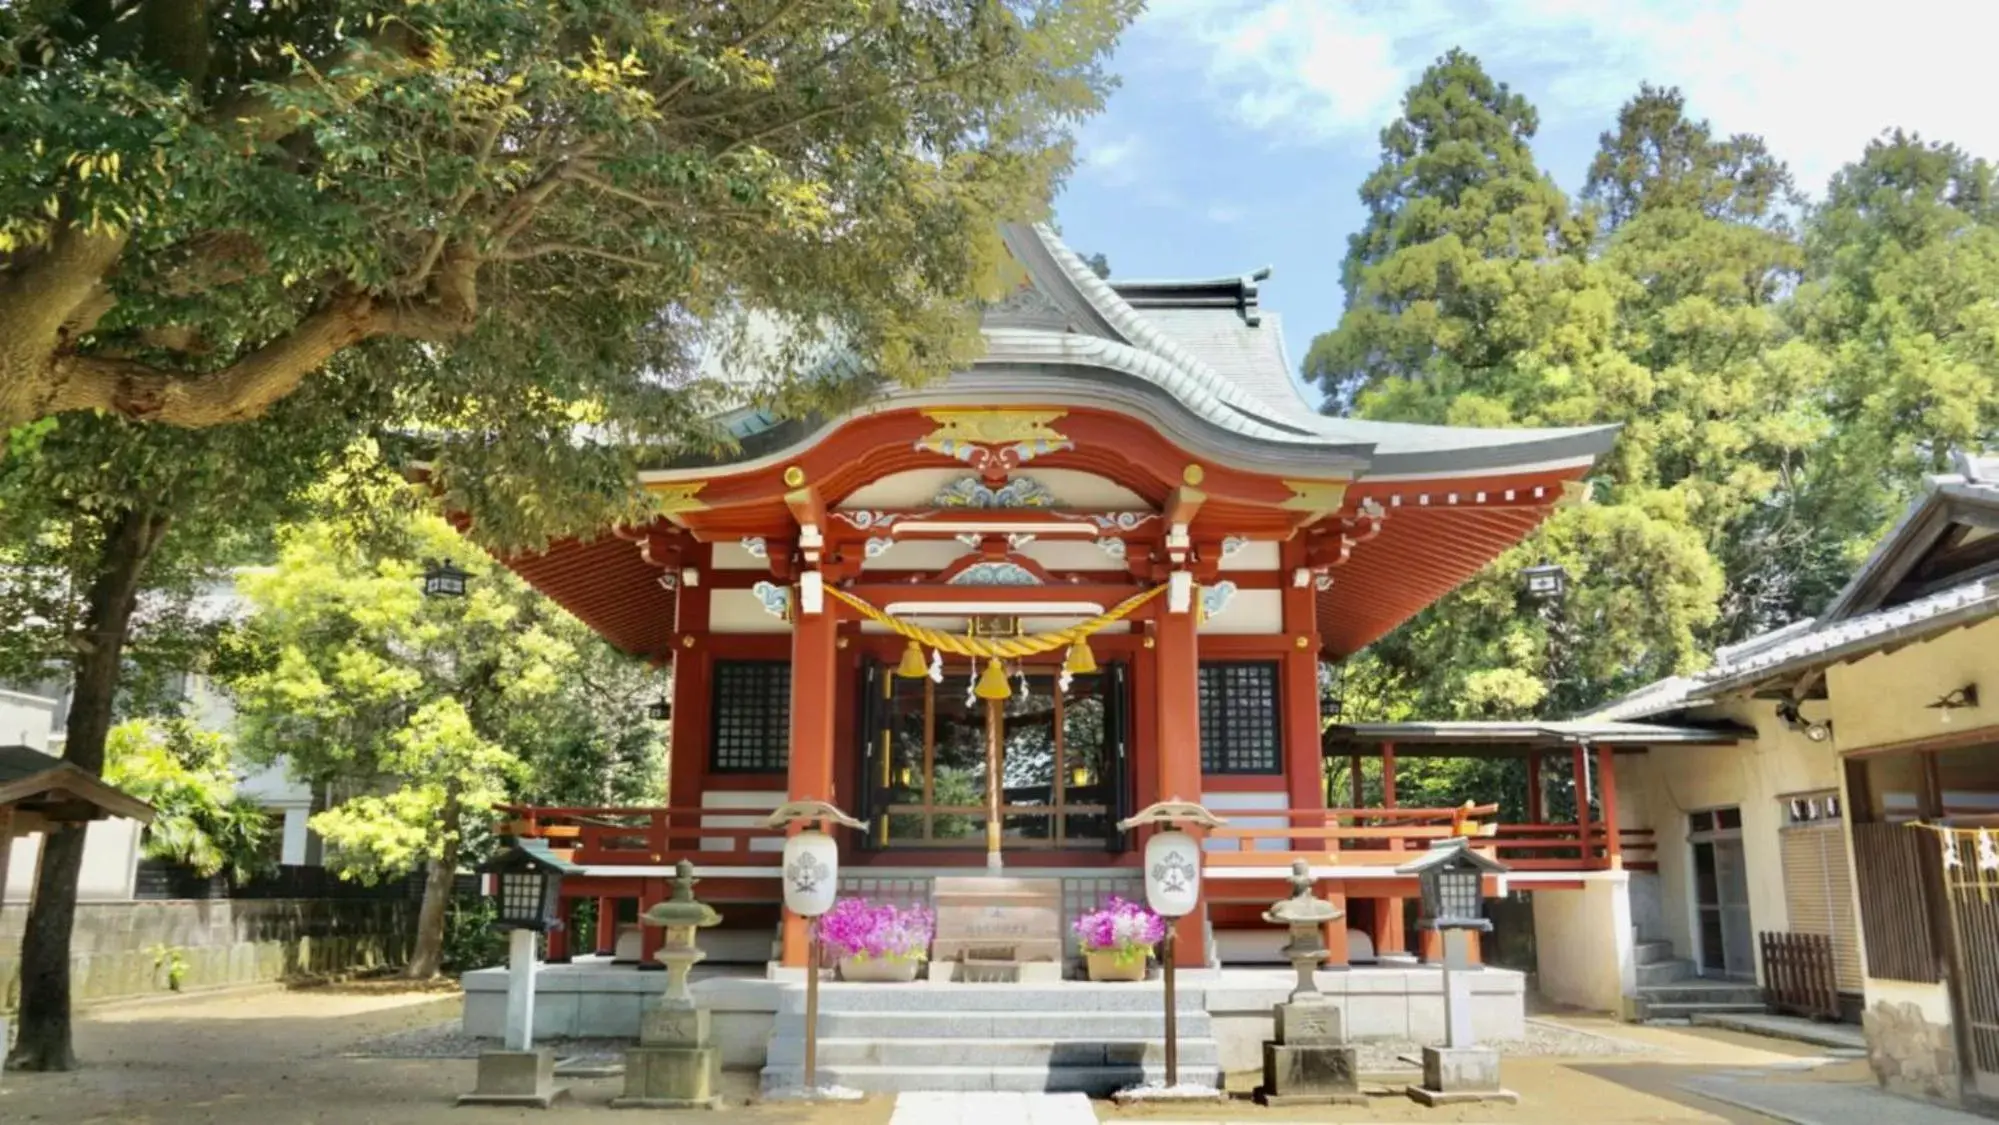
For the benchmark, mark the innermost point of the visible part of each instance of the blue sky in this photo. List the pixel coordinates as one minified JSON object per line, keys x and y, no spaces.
{"x":1243,"y":128}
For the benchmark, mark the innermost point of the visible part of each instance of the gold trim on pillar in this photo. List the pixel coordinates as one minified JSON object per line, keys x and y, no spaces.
{"x":1320,"y":497}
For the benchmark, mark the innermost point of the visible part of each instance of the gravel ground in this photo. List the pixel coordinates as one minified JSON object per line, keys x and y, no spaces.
{"x":446,"y":1041}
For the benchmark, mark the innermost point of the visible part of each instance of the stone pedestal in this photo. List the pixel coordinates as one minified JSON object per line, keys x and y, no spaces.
{"x":676,"y":1064}
{"x":989,"y":919}
{"x":1309,"y":1063}
{"x":515,"y":1078}
{"x":1453,"y":1075}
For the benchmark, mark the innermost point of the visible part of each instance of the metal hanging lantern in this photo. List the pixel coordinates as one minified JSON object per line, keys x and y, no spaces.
{"x":1544,"y":582}
{"x":660,"y":710}
{"x":527,"y":886}
{"x":443,"y":580}
{"x":1451,"y":878}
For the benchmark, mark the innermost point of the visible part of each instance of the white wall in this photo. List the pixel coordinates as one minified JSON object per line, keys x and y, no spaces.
{"x":25,"y":719}
{"x":1583,"y":948}
{"x":110,"y":859}
{"x":1752,"y":776}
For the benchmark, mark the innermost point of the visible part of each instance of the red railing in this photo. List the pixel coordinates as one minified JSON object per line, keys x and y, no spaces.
{"x":1389,"y":837}
{"x":644,"y":837}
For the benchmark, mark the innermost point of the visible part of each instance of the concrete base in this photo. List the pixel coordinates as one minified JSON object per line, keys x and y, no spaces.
{"x":519,"y":1078}
{"x":1281,"y":1100}
{"x":1460,"y":1097}
{"x":1454,"y":1075}
{"x":672,"y":1078}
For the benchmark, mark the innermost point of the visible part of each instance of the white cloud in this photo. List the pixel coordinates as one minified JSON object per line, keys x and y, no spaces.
{"x":1816,"y":79}
{"x":1115,"y":161}
{"x":1226,"y":214}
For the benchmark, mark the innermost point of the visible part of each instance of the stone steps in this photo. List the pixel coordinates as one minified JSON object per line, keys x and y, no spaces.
{"x":994,"y":1025}
{"x":1676,"y":1011}
{"x":1048,"y":1054}
{"x":1664,"y":972}
{"x":1652,"y":952}
{"x":1076,"y":1037}
{"x":897,"y":1079}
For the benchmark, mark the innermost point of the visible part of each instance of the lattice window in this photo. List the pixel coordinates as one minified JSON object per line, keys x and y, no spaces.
{"x":1239,"y":718}
{"x":752,"y":717}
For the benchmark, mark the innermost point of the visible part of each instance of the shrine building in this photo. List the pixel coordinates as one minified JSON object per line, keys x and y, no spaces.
{"x":993,"y":615}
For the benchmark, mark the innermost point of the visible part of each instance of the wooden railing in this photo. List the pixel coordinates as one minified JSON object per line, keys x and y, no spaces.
{"x":1390,"y":837}
{"x":1800,"y":974}
{"x":644,"y":837}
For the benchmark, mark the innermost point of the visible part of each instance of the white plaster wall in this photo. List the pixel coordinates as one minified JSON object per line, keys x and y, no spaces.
{"x":110,"y":860}
{"x":734,"y":556}
{"x":756,"y":802}
{"x":739,"y":611}
{"x":919,"y":554}
{"x":1260,"y":555}
{"x":1232,"y":807}
{"x":1753,"y":776}
{"x":1583,"y":945}
{"x":1249,"y":612}
{"x":25,"y":720}
{"x":1060,"y":555}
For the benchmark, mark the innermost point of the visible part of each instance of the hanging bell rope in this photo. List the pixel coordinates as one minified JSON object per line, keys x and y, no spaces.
{"x":997,"y":648}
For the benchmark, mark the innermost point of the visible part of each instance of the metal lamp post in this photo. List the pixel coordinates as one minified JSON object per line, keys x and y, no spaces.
{"x":1173,"y":891}
{"x":811,"y":869}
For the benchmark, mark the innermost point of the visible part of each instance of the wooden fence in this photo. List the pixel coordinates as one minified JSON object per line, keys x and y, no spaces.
{"x":1800,"y":975}
{"x":1890,"y":870}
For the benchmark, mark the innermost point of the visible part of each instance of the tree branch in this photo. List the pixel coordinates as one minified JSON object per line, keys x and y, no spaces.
{"x":544,"y":249}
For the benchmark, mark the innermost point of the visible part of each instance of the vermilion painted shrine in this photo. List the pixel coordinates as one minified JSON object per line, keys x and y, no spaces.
{"x":1119,"y":439}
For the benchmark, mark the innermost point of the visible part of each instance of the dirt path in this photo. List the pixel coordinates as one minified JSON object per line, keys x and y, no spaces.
{"x":277,"y":1057}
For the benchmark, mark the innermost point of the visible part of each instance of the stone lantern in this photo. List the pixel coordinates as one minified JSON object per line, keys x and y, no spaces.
{"x":1309,"y":1063}
{"x":676,"y":1064}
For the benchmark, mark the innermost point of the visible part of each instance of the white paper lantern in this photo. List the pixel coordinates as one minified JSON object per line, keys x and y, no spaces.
{"x":811,"y":873}
{"x":1172,"y":873}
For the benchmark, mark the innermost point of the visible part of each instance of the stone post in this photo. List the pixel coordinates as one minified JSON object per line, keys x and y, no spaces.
{"x":676,"y":1064}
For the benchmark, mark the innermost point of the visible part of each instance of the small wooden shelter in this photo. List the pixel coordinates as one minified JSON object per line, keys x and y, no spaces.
{"x":39,"y":792}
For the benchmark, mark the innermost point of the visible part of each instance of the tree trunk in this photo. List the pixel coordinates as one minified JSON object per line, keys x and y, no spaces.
{"x":428,"y":957}
{"x":44,"y":1039}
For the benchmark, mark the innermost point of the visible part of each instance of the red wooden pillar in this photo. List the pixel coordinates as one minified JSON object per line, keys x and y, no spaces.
{"x":1534,"y":798}
{"x":814,"y":672}
{"x":1304,"y":754}
{"x":687,"y":755}
{"x":1580,"y":765}
{"x":607,"y":927}
{"x":651,"y":938}
{"x":1606,"y":793}
{"x":558,"y":936}
{"x":1335,"y":931}
{"x":1177,"y":664}
{"x":1388,"y":932}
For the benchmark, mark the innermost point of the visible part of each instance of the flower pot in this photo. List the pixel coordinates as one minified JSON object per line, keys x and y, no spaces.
{"x":1105,"y":964}
{"x":879,"y":970}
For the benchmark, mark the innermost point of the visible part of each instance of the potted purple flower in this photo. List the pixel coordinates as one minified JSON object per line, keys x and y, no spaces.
{"x":1118,"y":939}
{"x":877,"y":943}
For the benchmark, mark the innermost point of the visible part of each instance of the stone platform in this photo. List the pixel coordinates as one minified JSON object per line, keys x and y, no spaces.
{"x":1229,"y":1008}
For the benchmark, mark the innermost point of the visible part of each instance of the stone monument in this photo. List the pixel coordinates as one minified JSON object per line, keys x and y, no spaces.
{"x":676,"y":1064}
{"x":1309,"y":1063}
{"x":997,"y":930}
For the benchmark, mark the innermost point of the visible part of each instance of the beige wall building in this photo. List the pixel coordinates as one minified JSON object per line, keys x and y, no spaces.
{"x":1864,"y":811}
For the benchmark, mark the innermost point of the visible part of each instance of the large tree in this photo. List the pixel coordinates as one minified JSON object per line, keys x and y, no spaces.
{"x":513,"y":212}
{"x":1702,"y":253}
{"x":1473,"y":298}
{"x":1902,"y":265}
{"x":421,"y":713}
{"x":108,"y":528}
